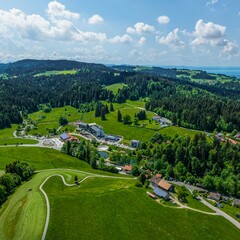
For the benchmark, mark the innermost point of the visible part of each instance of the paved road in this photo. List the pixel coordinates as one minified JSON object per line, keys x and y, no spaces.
{"x":217,"y":210}
{"x":191,"y":188}
{"x":79,"y":171}
{"x":221,"y":213}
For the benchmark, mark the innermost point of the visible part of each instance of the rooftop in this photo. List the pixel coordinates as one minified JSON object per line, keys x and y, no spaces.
{"x":164,"y":185}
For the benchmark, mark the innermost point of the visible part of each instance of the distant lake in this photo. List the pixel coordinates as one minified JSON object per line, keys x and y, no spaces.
{"x":233,"y":72}
{"x":229,"y":71}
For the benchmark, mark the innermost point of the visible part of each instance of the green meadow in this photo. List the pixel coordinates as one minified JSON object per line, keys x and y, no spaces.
{"x":6,"y":137}
{"x":115,"y":87}
{"x":51,"y":73}
{"x":143,"y":131}
{"x":116,"y":209}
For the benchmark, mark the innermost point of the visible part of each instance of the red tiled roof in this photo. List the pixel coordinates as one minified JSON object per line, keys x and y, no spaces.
{"x":127,"y":168}
{"x":157,"y":178}
{"x":164,"y":185}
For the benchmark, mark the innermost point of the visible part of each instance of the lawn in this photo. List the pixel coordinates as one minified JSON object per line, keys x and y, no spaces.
{"x":115,"y":87}
{"x":116,"y":209}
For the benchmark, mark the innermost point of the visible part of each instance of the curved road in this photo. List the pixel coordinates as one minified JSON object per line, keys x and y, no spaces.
{"x":217,"y":210}
{"x":66,"y":184}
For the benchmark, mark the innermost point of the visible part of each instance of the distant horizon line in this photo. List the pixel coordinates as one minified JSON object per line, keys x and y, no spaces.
{"x":132,"y":64}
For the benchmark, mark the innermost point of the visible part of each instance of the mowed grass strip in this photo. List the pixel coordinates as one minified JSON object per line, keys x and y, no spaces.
{"x":13,"y":141}
{"x":116,"y":209}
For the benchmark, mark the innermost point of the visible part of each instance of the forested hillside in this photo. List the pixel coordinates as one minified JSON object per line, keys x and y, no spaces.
{"x":199,"y":105}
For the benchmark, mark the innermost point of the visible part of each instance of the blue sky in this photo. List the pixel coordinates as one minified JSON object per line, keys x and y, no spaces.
{"x":155,"y":32}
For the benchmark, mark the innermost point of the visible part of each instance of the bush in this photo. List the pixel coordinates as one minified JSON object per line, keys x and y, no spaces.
{"x":138,"y":184}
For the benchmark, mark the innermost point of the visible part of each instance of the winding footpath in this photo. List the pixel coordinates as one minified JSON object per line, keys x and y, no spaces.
{"x":68,"y":185}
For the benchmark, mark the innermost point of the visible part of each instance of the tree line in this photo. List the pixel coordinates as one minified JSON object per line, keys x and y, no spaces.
{"x":15,"y":173}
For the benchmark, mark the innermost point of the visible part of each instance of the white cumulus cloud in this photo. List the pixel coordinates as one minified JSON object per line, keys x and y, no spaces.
{"x":95,"y":19}
{"x":121,"y":39}
{"x":206,"y":33}
{"x":17,"y":24}
{"x":163,"y":19}
{"x":172,"y":40}
{"x":141,"y":28}
{"x":230,"y":48}
{"x":58,"y":10}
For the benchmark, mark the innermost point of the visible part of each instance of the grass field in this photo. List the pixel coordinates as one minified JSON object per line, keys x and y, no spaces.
{"x":172,"y":131}
{"x":46,"y":121}
{"x":116,"y":209}
{"x":6,"y":137}
{"x":45,"y":158}
{"x":23,"y":215}
{"x":110,"y":208}
{"x":115,"y":87}
{"x":50,"y":73}
{"x":40,"y":158}
{"x":194,"y":203}
{"x":8,"y":132}
{"x":231,"y":210}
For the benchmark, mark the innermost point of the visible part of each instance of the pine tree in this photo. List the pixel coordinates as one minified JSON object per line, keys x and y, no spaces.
{"x":103,"y":112}
{"x":111,"y":107}
{"x":98,"y":109}
{"x":106,"y":109}
{"x":119,"y":116}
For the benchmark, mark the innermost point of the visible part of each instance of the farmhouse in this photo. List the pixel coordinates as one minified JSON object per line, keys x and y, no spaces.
{"x":151,"y":195}
{"x":67,"y":137}
{"x":236,"y":202}
{"x":156,"y":118}
{"x":134,"y":143}
{"x":156,"y":179}
{"x":214,"y":196}
{"x":166,"y":186}
{"x":161,"y":193}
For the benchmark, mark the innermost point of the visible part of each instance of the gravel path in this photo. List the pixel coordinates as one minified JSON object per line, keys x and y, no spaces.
{"x":66,"y":184}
